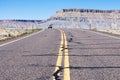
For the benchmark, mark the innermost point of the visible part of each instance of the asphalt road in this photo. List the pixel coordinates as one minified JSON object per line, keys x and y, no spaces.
{"x":90,"y":56}
{"x":32,"y":58}
{"x":93,"y":56}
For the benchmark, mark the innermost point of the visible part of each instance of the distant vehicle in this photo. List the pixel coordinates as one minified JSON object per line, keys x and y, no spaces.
{"x":50,"y":26}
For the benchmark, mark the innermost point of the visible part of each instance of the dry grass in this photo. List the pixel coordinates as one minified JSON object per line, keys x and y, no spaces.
{"x":116,"y":32}
{"x":7,"y":33}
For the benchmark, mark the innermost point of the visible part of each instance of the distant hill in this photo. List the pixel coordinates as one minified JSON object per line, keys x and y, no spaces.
{"x":72,"y":18}
{"x":20,"y":23}
{"x":89,"y":18}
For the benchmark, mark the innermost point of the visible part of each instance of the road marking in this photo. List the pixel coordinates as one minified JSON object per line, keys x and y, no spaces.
{"x":4,"y":44}
{"x":66,"y":60}
{"x":62,"y":50}
{"x":59,"y":59}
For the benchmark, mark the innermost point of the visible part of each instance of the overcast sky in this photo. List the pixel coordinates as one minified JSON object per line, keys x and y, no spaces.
{"x":43,"y":9}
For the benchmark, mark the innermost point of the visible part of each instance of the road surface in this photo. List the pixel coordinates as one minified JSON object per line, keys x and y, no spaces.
{"x":66,"y":54}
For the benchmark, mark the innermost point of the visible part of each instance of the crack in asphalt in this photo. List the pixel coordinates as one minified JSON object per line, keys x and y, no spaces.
{"x":56,"y":74}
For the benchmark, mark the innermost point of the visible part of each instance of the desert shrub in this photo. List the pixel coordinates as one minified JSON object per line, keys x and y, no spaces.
{"x":94,"y":29}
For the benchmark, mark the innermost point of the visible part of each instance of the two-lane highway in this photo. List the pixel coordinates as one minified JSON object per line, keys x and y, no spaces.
{"x":32,"y":58}
{"x":66,"y":54}
{"x":63,"y":57}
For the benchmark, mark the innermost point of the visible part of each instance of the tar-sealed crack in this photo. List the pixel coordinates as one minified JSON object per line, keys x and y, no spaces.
{"x":56,"y":74}
{"x":70,"y":39}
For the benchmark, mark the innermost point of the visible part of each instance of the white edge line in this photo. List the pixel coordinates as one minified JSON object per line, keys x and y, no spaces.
{"x":4,"y":44}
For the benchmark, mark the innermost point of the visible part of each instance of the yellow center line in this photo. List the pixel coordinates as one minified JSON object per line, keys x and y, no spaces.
{"x":59,"y":59}
{"x":66,"y":60}
{"x":63,"y":49}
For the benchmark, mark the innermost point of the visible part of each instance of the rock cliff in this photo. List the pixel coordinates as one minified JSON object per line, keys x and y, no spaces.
{"x":89,"y":18}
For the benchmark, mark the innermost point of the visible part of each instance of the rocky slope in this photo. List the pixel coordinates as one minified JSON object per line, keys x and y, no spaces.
{"x":20,"y":23}
{"x":72,"y":18}
{"x":14,"y":28}
{"x":89,"y":18}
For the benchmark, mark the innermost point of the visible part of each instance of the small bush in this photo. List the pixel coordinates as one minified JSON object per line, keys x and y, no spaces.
{"x":9,"y":35}
{"x":94,"y":29}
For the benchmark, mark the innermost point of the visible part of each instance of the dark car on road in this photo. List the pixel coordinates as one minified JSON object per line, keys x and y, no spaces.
{"x":50,"y":26}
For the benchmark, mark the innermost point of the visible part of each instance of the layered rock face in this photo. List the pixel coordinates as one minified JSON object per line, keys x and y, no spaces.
{"x":89,"y":18}
{"x":25,"y":24}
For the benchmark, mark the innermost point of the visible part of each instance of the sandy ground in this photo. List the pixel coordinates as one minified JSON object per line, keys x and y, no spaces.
{"x":8,"y":32}
{"x":111,"y":31}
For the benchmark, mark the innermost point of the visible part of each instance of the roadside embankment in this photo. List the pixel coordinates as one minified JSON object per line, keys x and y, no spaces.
{"x":116,"y":32}
{"x":8,"y":33}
